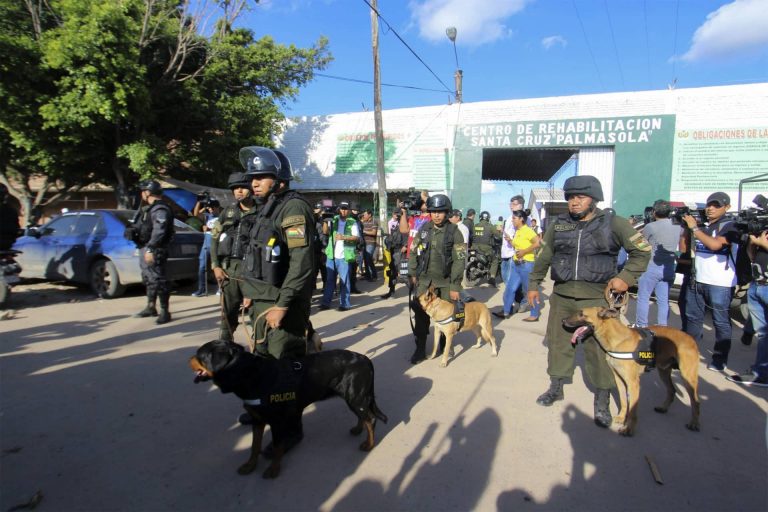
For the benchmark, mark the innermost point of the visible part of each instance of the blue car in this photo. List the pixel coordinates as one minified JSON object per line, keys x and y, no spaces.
{"x":88,"y":247}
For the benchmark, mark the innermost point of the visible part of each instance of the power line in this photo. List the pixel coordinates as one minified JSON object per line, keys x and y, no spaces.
{"x":615,"y":48}
{"x":674,"y":45}
{"x":388,"y":85}
{"x":586,"y":40}
{"x":406,"y":45}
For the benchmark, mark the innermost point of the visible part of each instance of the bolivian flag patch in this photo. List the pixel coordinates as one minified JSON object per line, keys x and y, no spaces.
{"x":639,"y":241}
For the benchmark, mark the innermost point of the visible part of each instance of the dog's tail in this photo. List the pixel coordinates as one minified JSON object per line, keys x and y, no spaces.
{"x":377,"y":412}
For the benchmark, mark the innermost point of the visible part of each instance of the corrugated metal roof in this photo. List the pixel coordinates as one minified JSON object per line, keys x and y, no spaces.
{"x":546,"y":195}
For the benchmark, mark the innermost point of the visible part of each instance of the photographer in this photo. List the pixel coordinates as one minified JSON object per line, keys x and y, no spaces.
{"x":664,"y":237}
{"x":757,"y":298}
{"x":207,"y":210}
{"x":410,"y":224}
{"x":710,"y":286}
{"x":322,"y":213}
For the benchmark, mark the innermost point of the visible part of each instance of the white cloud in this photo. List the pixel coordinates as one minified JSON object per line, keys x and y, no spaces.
{"x":549,"y":42}
{"x":477,"y":22}
{"x":734,"y":28}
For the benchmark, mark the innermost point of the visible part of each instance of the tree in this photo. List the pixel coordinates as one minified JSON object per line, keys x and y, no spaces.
{"x":115,"y":91}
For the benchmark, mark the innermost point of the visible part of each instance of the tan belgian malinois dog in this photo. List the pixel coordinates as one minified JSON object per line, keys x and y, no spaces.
{"x":621,"y":345}
{"x":477,"y":318}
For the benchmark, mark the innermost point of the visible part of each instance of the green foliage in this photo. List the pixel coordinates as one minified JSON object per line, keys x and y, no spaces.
{"x":114,"y":91}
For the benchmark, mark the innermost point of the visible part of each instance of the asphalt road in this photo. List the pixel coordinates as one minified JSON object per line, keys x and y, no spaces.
{"x":98,"y":411}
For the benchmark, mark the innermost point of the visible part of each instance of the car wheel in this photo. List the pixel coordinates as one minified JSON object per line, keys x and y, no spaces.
{"x":104,"y":280}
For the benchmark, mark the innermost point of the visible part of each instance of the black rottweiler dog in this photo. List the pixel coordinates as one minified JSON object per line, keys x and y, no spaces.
{"x":275,"y":392}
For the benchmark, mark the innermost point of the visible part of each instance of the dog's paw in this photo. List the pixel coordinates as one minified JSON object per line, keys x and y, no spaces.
{"x":660,"y":410}
{"x":692,"y":426}
{"x":477,"y":345}
{"x":618,"y":420}
{"x":271,"y":472}
{"x":443,"y":364}
{"x":365,"y":446}
{"x":494,"y":353}
{"x":626,"y":432}
{"x":247,"y":468}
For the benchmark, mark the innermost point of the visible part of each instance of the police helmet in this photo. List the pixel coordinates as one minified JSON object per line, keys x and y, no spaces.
{"x":237,"y":180}
{"x":585,"y":185}
{"x":485,"y":216}
{"x":258,"y":160}
{"x":151,"y":186}
{"x":438,"y":203}
{"x":286,"y":170}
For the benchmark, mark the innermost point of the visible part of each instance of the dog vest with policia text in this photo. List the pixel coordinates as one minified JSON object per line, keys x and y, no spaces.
{"x":584,"y":251}
{"x":458,"y":313}
{"x":266,"y":256}
{"x":281,"y":389}
{"x":646,"y":349}
{"x":423,"y":248}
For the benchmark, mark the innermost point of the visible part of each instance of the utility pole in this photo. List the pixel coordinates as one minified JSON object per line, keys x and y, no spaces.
{"x":378,"y":125}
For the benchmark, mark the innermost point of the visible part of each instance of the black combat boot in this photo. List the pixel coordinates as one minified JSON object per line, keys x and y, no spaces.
{"x":419,"y":355}
{"x":149,"y":310}
{"x":553,"y":394}
{"x":603,"y":408}
{"x":165,"y":316}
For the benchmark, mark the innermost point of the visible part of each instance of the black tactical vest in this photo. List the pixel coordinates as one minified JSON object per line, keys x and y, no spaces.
{"x":145,"y":223}
{"x":584,"y":251}
{"x":423,"y":250}
{"x":236,"y":240}
{"x":483,"y":234}
{"x":266,"y":256}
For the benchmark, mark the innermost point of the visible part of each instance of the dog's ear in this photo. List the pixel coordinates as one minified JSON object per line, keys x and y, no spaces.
{"x":606,"y":313}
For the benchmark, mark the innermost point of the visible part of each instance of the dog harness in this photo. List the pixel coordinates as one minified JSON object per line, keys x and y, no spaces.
{"x":646,"y":349}
{"x":458,"y":313}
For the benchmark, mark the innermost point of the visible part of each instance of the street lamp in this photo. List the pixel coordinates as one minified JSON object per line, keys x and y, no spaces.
{"x":458,"y":76}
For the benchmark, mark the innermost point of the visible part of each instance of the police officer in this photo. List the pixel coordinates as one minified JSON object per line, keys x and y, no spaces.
{"x":437,"y":257}
{"x":279,"y":262}
{"x":153,"y":230}
{"x":485,"y":239}
{"x":9,"y":221}
{"x":582,"y":247}
{"x":394,"y":253}
{"x":228,"y":244}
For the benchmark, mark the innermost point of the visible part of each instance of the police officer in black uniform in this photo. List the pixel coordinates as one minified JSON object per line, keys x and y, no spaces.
{"x":485,"y":239}
{"x":152,"y":231}
{"x":278,"y":268}
{"x":394,"y":244}
{"x":228,"y":243}
{"x":437,"y":257}
{"x":9,"y":221}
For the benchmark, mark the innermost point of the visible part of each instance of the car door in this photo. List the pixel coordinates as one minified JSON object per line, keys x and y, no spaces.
{"x":40,"y":255}
{"x":75,"y":248}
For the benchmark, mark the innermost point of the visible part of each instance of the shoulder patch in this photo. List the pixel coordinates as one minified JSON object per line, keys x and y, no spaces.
{"x":639,"y":241}
{"x":293,"y":220}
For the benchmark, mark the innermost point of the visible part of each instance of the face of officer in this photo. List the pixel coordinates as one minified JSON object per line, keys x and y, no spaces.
{"x":241,"y":193}
{"x":439,"y":218}
{"x":263,"y":185}
{"x":579,"y":205}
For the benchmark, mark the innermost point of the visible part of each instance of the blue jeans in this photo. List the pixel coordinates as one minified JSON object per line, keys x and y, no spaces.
{"x":505,"y":264}
{"x":518,"y":278}
{"x":202,"y":267}
{"x":656,"y":278}
{"x":702,"y":297}
{"x":757,"y":298}
{"x":337,"y":268}
{"x":368,"y":267}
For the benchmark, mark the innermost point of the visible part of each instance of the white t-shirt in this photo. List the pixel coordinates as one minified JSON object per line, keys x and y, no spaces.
{"x":338,"y":248}
{"x":507,"y":251}
{"x":716,"y":267}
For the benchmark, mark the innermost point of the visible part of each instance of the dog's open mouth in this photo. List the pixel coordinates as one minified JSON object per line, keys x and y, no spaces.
{"x":201,"y":376}
{"x":580,"y":334}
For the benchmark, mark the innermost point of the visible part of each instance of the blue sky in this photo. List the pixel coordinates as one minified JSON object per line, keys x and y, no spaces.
{"x":511,"y":49}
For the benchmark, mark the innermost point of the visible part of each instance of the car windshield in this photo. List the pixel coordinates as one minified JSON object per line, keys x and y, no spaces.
{"x":126,"y":217}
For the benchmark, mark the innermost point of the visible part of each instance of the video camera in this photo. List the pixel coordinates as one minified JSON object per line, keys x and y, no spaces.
{"x":413,"y":201}
{"x":753,"y":221}
{"x":206,"y":201}
{"x":679,"y":212}
{"x":327,"y":208}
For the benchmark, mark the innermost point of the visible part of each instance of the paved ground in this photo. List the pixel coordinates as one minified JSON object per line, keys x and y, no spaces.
{"x":98,"y":411}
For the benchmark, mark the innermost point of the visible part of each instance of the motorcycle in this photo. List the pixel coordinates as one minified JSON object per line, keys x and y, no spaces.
{"x":9,"y":274}
{"x":478,"y":268}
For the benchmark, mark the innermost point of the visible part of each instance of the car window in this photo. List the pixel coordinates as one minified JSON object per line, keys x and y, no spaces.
{"x":85,"y":224}
{"x":61,"y":226}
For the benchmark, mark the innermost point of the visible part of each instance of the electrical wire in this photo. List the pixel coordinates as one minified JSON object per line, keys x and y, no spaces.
{"x":586,"y":40}
{"x":447,"y":89}
{"x":387,"y":85}
{"x":674,"y":45}
{"x":615,"y":48}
